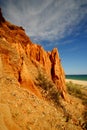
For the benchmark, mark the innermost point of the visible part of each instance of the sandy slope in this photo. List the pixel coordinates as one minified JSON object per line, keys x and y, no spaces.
{"x":21,"y":110}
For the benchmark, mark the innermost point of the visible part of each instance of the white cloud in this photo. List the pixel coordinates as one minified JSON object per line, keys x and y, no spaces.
{"x":46,"y":19}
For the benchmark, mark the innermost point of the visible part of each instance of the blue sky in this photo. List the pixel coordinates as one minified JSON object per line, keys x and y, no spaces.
{"x":54,"y":23}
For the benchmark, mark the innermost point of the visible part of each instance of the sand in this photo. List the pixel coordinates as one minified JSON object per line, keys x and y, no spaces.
{"x":80,"y":82}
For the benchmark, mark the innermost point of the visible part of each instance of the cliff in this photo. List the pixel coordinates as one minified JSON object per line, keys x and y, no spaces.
{"x":21,"y":58}
{"x":32,"y":85}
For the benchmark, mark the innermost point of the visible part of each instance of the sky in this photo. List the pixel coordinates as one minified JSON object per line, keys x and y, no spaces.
{"x":54,"y":23}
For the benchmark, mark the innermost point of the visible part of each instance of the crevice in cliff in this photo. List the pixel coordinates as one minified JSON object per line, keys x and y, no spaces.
{"x":19,"y":77}
{"x":53,"y":62}
{"x":19,"y":72}
{"x":53,"y":74}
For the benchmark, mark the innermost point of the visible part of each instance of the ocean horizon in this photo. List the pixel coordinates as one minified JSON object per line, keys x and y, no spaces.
{"x":77,"y":77}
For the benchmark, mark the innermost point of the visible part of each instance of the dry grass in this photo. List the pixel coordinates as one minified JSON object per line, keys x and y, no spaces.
{"x":74,"y":89}
{"x":48,"y":88}
{"x":77,"y":91}
{"x":31,"y":113}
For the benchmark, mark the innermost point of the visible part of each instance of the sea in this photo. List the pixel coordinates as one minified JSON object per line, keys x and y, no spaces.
{"x":77,"y":77}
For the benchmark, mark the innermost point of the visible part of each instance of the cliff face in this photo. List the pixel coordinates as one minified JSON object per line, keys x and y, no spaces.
{"x":51,"y":63}
{"x":20,"y":59}
{"x":31,"y":81}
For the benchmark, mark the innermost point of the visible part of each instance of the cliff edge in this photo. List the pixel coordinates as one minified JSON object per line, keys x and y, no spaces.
{"x":21,"y":58}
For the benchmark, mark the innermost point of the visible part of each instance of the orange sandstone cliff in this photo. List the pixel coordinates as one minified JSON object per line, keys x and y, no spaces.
{"x":20,"y":59}
{"x":32,"y":84}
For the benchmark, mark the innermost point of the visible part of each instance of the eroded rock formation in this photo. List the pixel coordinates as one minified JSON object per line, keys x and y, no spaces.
{"x":20,"y":59}
{"x":24,"y":103}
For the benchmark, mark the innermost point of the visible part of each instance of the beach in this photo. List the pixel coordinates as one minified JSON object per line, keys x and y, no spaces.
{"x":80,"y":82}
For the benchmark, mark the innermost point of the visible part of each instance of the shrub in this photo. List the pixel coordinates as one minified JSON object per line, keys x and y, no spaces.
{"x":48,"y":88}
{"x":74,"y":89}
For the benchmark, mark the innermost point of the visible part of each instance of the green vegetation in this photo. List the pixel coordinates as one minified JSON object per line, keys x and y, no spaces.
{"x":74,"y":89}
{"x":48,"y":88}
{"x":51,"y":93}
{"x":77,"y":91}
